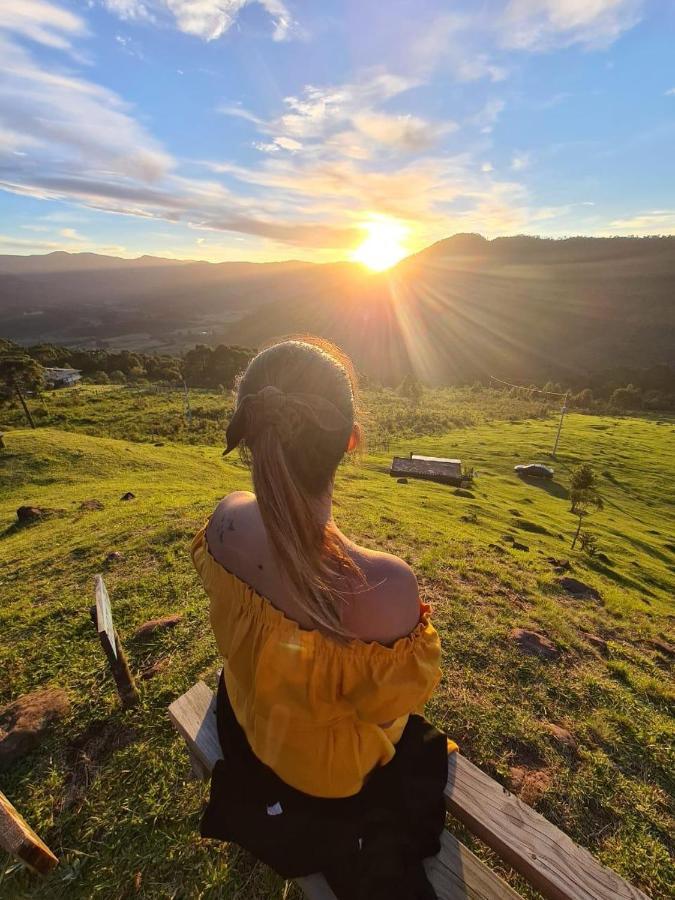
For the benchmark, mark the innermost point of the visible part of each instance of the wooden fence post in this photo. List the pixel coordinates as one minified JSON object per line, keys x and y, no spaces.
{"x":19,"y":839}
{"x":101,"y":615}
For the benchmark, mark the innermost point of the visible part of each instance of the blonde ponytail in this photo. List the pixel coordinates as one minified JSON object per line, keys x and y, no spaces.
{"x":294,"y":441}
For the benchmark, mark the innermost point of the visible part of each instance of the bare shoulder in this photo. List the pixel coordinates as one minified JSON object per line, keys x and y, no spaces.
{"x":230,"y":520}
{"x":390,"y":607}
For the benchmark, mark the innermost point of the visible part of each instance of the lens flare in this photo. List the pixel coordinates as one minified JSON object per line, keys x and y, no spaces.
{"x":384,"y":244}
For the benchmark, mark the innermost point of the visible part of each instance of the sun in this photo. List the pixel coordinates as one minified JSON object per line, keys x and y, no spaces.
{"x":383,"y":246}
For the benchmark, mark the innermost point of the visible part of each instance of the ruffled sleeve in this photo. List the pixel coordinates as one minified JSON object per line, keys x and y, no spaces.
{"x":385,"y":683}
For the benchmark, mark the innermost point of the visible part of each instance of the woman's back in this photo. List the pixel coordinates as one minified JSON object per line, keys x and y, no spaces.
{"x":383,"y":608}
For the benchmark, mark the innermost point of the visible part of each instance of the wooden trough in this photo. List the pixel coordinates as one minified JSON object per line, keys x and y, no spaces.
{"x":429,"y":468}
{"x":550,"y":861}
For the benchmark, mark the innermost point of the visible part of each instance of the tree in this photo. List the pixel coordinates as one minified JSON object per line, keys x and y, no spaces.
{"x":584,"y":399}
{"x":628,"y":397}
{"x":584,"y":495}
{"x":20,"y":373}
{"x":411,"y":388}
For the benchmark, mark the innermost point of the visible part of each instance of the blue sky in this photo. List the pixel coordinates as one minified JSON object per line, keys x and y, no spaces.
{"x":279,"y":129}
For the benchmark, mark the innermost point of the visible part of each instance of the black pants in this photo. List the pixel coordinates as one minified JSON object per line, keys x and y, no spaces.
{"x":370,"y":845}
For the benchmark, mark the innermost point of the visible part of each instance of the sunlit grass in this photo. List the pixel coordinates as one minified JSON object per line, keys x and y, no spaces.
{"x":129,"y":807}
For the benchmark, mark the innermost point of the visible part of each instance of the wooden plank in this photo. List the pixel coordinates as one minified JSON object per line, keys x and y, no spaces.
{"x":315,"y":887}
{"x":19,"y":839}
{"x":101,"y":615}
{"x":445,"y":473}
{"x":104,"y":620}
{"x":458,"y":874}
{"x":542,"y":853}
{"x":194,"y":717}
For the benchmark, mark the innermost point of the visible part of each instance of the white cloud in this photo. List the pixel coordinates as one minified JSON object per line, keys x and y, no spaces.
{"x":486,"y":118}
{"x":71,"y":234}
{"x":404,"y":132}
{"x":41,"y":21}
{"x":670,"y":92}
{"x":655,"y":221}
{"x":454,"y":42}
{"x":206,"y":19}
{"x":487,"y":167}
{"x":521,"y":161}
{"x":544,"y":24}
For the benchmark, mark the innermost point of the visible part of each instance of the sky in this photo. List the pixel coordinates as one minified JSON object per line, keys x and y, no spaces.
{"x":290,"y":129}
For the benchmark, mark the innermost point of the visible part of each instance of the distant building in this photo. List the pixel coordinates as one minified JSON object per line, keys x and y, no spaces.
{"x":62,"y":377}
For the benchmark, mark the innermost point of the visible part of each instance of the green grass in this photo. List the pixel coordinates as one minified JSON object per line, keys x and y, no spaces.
{"x":110,"y":791}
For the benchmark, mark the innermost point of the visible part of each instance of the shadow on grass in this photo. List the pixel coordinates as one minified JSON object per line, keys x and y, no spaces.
{"x":554,"y":488}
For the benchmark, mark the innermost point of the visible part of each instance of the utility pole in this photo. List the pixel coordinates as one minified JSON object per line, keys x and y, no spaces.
{"x":17,"y":389}
{"x":562,"y":416}
{"x":188,"y":411}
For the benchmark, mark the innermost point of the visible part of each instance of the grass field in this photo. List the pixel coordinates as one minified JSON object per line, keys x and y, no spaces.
{"x":110,"y":791}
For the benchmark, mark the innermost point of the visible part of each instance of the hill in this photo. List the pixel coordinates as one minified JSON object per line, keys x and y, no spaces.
{"x":111,"y":792}
{"x":521,"y":307}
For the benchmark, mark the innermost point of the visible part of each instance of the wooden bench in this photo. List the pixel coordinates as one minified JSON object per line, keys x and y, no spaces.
{"x":544,"y":855}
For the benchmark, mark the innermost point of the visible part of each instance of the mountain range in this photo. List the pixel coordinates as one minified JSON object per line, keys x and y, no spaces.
{"x":517,"y":307}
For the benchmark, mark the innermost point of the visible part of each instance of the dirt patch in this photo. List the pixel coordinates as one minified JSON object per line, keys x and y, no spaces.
{"x":533,"y":643}
{"x":25,"y":722}
{"x":529,"y":784}
{"x":87,"y":754}
{"x":90,"y":505}
{"x":560,"y":735}
{"x":154,"y":626}
{"x":599,"y":643}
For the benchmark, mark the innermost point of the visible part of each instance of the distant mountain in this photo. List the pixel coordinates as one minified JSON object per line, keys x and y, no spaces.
{"x":464,"y":307}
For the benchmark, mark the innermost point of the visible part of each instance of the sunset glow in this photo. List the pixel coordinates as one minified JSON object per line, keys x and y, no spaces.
{"x":384,"y":245}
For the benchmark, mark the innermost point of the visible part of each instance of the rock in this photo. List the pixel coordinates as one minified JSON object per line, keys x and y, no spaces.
{"x":128,"y":496}
{"x":603,"y":558}
{"x":462,"y":492}
{"x":25,"y":722}
{"x":113,"y":557}
{"x":401,"y":480}
{"x":27,"y":514}
{"x":149,"y":629}
{"x":599,"y":643}
{"x":529,"y":784}
{"x":563,"y":565}
{"x":518,"y":546}
{"x":91,"y":504}
{"x":509,"y":538}
{"x":497,"y":548}
{"x":561,"y":735}
{"x":579,"y":588}
{"x":534,"y":644}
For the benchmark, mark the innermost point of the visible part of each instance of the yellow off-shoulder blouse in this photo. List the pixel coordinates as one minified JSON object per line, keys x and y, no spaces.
{"x":311,"y":707}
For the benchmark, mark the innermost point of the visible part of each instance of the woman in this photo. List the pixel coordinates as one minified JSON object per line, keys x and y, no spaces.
{"x":328,"y":652}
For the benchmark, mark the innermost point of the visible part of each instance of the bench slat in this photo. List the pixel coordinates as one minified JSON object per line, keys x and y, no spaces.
{"x":194,"y":717}
{"x":19,"y":839}
{"x":546,"y":856}
{"x":456,"y":873}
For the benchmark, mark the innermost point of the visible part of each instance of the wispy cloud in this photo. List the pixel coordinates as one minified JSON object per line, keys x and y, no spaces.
{"x":670,"y":92}
{"x":206,"y":19}
{"x":72,"y":122}
{"x":655,"y":221}
{"x":521,"y":161}
{"x":42,"y":22}
{"x":539,"y":25}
